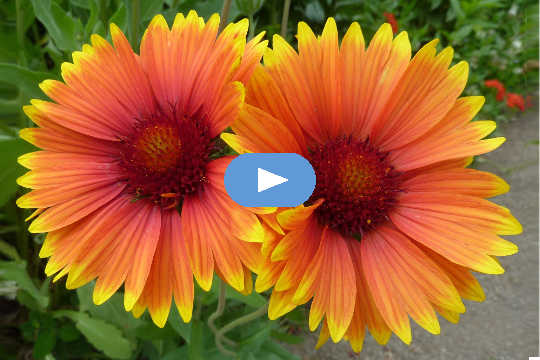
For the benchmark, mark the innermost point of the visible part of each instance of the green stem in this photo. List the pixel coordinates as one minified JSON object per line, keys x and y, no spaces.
{"x":285,"y":18}
{"x":8,"y":229}
{"x":235,"y":323}
{"x":198,"y":308}
{"x":20,"y":32}
{"x":22,"y":235}
{"x":219,"y":311}
{"x":225,"y":14}
{"x":251,"y":31}
{"x":103,"y":12}
{"x":135,"y":15}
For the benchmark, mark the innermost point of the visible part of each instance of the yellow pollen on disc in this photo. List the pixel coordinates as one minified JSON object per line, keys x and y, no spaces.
{"x":356,"y":177}
{"x":157,"y":147}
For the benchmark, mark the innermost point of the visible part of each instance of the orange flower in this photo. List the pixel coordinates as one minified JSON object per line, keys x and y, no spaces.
{"x":515,"y":101}
{"x":396,"y":221}
{"x":392,"y":21}
{"x":496,"y":84}
{"x":127,"y":145}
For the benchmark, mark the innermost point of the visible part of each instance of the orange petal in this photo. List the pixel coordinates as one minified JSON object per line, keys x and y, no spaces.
{"x":264,"y":133}
{"x":452,"y":138}
{"x":429,"y":277}
{"x":142,"y":229}
{"x":65,"y":245}
{"x":411,"y":291}
{"x":253,"y":53}
{"x":335,"y":293}
{"x":70,"y":211}
{"x":442,"y":229}
{"x":170,"y":273}
{"x":54,"y":137}
{"x":44,"y":198}
{"x":145,"y":248}
{"x":365,"y":311}
{"x":296,"y":266}
{"x":423,"y":96}
{"x":297,"y":217}
{"x":227,"y":107}
{"x":449,"y":315}
{"x":62,"y":160}
{"x":374,"y":79}
{"x":464,"y":281}
{"x":197,"y":243}
{"x":283,"y":64}
{"x":385,"y":287}
{"x":324,"y":335}
{"x":458,"y":181}
{"x":263,"y":92}
{"x":280,"y":303}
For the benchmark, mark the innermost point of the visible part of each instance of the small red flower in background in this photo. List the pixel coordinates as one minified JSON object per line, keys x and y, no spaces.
{"x":392,"y":21}
{"x":496,"y":84}
{"x":515,"y":101}
{"x":528,"y":102}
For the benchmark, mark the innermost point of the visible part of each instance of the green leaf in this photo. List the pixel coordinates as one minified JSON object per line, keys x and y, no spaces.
{"x":149,"y":8}
{"x":249,"y":7}
{"x":84,"y":4}
{"x":183,"y":329}
{"x":25,"y":79}
{"x":93,"y":25}
{"x":149,"y":331}
{"x":254,"y":300}
{"x":11,"y":149}
{"x":8,"y":47}
{"x":112,"y":310}
{"x":45,"y":342}
{"x":65,"y":31}
{"x":456,"y":6}
{"x":10,"y":108}
{"x":462,"y":33}
{"x":279,"y":350}
{"x":14,"y":270}
{"x":253,"y":343}
{"x":287,"y":338}
{"x":195,"y":347}
{"x":68,"y":333}
{"x":209,"y":7}
{"x":9,"y":251}
{"x":104,"y":337}
{"x":178,"y":353}
{"x":101,"y":334}
{"x":120,"y":17}
{"x":24,"y":298}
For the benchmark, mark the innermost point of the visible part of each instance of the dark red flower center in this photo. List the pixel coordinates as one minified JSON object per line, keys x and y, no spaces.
{"x":358,"y":185}
{"x":165,"y":157}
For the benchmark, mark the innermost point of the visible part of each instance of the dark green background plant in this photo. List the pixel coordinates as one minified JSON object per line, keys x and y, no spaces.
{"x":499,"y":39}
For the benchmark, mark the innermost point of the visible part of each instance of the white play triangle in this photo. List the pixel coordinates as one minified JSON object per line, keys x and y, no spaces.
{"x":267,"y":179}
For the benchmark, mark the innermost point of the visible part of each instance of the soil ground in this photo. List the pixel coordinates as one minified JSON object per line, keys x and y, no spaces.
{"x":505,"y":325}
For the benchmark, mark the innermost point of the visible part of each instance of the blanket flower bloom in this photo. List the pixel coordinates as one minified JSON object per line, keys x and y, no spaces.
{"x":396,"y":221}
{"x":126,"y":184}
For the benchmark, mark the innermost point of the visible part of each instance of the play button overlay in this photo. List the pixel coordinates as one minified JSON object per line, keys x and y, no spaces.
{"x":268,"y":179}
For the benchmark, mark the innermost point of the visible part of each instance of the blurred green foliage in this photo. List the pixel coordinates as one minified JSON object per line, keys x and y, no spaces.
{"x":498,"y":38}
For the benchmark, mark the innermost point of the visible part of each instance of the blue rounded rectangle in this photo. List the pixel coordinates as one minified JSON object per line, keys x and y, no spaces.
{"x":270,"y":179}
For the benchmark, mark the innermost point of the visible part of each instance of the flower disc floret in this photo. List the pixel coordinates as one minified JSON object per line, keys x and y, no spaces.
{"x":165,"y":157}
{"x":357,"y":183}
